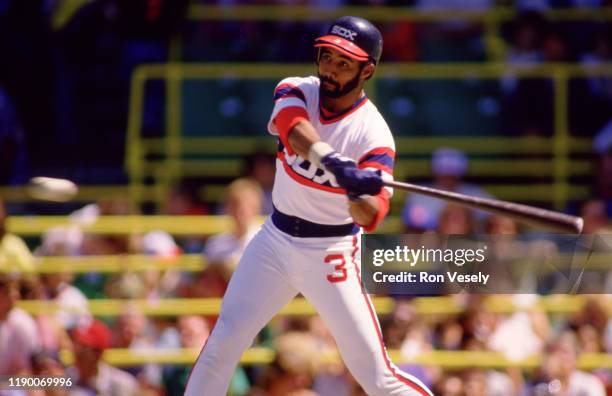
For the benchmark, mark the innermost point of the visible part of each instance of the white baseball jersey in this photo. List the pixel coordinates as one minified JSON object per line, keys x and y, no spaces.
{"x":282,"y":261}
{"x":302,"y":189}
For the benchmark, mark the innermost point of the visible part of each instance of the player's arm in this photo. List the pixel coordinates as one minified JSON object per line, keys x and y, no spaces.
{"x":366,"y":210}
{"x":363,"y":210}
{"x":293,"y":125}
{"x":369,"y":211}
{"x":302,"y":136}
{"x":299,"y":136}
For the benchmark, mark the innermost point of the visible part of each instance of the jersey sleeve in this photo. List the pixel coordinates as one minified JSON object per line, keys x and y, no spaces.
{"x":379,"y":154}
{"x":290,"y":92}
{"x":378,"y":151}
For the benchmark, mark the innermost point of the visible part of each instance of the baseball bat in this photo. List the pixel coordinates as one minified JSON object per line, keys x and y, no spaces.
{"x":528,"y":214}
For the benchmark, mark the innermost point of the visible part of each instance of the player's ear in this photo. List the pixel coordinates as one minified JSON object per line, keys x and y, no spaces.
{"x":368,"y":71}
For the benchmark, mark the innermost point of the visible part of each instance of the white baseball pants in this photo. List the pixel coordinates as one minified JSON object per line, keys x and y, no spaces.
{"x":273,"y":269}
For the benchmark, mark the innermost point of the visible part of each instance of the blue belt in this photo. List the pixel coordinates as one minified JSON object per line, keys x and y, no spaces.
{"x":301,"y":228}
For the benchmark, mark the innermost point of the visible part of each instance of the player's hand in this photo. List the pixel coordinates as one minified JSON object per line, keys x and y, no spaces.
{"x":355,"y":181}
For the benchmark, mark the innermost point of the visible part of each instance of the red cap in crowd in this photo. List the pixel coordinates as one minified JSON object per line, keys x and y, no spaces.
{"x":95,"y":335}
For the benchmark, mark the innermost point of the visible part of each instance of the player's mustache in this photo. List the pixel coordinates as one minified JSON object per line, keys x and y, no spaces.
{"x":330,"y":81}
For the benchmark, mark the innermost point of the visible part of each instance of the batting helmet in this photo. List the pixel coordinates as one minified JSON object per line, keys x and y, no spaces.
{"x":354,"y":37}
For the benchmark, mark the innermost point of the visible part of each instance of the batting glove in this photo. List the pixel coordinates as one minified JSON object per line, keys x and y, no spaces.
{"x":355,"y":181}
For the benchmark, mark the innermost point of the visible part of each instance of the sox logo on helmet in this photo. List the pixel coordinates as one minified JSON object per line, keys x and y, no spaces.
{"x":343,"y":32}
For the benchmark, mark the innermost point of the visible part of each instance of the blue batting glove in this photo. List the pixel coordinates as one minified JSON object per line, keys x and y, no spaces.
{"x":355,"y":181}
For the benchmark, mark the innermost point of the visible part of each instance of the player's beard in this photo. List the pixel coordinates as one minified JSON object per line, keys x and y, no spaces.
{"x":338,"y":91}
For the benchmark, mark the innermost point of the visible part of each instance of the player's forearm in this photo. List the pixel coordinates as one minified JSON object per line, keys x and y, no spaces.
{"x":364,"y":210}
{"x":302,"y":137}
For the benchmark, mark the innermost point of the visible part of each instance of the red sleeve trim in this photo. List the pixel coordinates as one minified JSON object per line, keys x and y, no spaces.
{"x":383,"y":208}
{"x":285,"y":120}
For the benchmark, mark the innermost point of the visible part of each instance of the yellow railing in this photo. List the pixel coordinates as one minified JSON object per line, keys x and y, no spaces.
{"x":174,"y":167}
{"x":197,"y":262}
{"x":442,"y":305}
{"x":118,"y":263}
{"x":491,"y":20}
{"x":254,"y":356}
{"x":124,"y":225}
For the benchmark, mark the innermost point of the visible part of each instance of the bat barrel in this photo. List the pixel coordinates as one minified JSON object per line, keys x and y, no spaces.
{"x":548,"y":219}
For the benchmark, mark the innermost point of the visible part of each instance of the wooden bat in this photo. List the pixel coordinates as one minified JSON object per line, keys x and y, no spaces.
{"x":528,"y":214}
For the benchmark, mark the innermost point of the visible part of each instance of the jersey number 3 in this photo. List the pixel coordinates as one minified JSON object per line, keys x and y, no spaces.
{"x":339,"y":262}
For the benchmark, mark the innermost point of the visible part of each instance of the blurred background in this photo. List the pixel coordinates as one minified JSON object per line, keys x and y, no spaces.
{"x":157,"y":109}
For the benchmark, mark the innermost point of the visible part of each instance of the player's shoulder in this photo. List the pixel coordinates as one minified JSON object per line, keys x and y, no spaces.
{"x":375,"y":127}
{"x":305,"y":88}
{"x":309,"y":82}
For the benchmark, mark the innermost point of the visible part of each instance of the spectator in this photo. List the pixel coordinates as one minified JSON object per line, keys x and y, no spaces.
{"x":423,"y":213}
{"x":243,"y":204}
{"x":61,"y":241}
{"x":601,"y":53}
{"x":418,"y":341}
{"x":478,"y":332}
{"x":95,"y":244}
{"x":456,"y":220}
{"x":501,"y":225}
{"x":533,"y":107}
{"x":90,"y":374}
{"x":603,"y":146}
{"x":527,"y":38}
{"x":19,"y":338}
{"x":132,"y":330}
{"x":52,"y":334}
{"x":294,"y":366}
{"x":594,"y":214}
{"x":261,"y":167}
{"x":528,"y":102}
{"x":554,"y":46}
{"x":14,"y":253}
{"x":561,"y":375}
{"x":12,"y":143}
{"x":400,"y":41}
{"x":449,"y":334}
{"x":47,"y":363}
{"x":487,"y":383}
{"x":151,"y":283}
{"x":72,"y":305}
{"x":521,"y":334}
{"x":449,"y":385}
{"x":183,"y":201}
{"x":193,"y":332}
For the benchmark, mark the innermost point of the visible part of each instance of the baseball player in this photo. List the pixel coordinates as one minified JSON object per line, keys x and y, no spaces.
{"x":333,"y":149}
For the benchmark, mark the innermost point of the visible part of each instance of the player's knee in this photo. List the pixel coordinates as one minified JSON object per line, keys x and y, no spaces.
{"x":229,"y":331}
{"x":377,"y":383}
{"x":377,"y":387}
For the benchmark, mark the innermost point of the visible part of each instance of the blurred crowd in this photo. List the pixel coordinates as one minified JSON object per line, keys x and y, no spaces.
{"x":64,"y":95}
{"x":31,"y":343}
{"x":79,"y":59}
